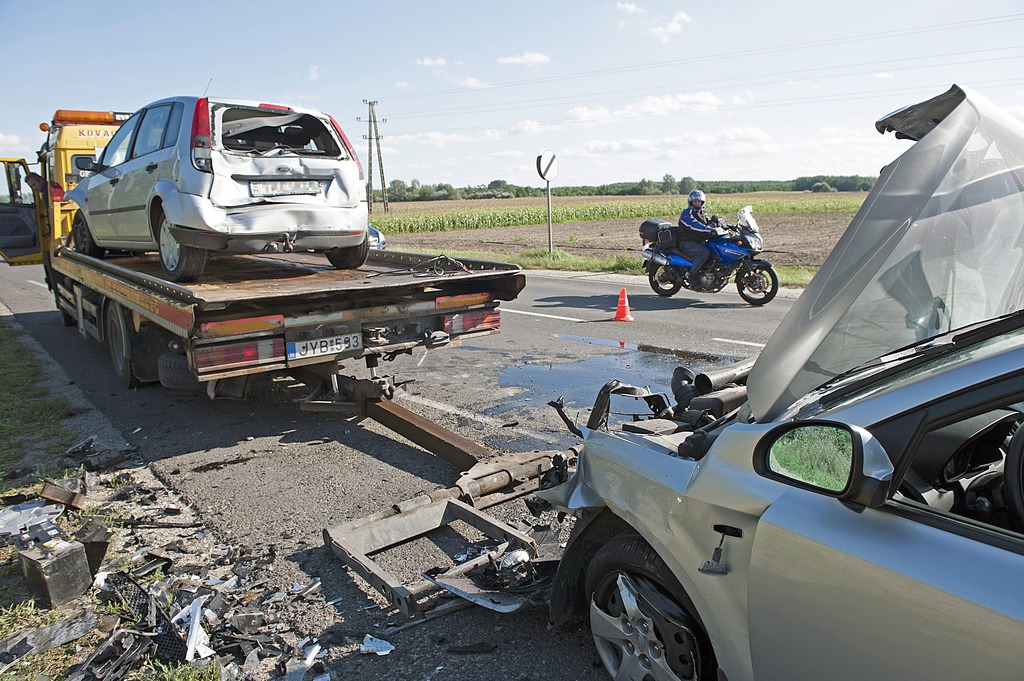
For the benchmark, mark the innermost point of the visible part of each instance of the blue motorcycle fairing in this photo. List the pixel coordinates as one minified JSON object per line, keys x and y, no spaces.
{"x":727,"y":253}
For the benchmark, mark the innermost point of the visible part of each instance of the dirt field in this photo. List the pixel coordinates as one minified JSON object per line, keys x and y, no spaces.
{"x":791,"y":239}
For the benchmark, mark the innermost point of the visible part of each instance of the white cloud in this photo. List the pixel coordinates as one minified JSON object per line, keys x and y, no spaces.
{"x":884,"y":76}
{"x":403,"y":85}
{"x":740,"y":98}
{"x":629,"y":8}
{"x":528,"y":58}
{"x":14,"y":145}
{"x":433,"y":139}
{"x":734,"y":142}
{"x":525,"y":128}
{"x":654,"y":105}
{"x":435,"y":61}
{"x":511,"y":153}
{"x":314,"y":72}
{"x":673,"y":27}
{"x":470,"y":81}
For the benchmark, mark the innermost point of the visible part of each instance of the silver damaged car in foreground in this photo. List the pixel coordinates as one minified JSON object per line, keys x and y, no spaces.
{"x":855,"y":510}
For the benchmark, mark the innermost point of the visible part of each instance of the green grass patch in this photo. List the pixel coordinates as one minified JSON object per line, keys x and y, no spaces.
{"x":29,"y":417}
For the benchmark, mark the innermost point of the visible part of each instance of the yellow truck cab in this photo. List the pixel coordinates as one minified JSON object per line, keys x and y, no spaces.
{"x":32,"y":223}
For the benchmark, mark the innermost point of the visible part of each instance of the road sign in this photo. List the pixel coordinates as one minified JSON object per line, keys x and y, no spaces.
{"x":547,"y":165}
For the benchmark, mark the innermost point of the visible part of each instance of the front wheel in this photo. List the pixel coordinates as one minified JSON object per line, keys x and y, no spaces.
{"x":641,"y":627}
{"x":757,"y":285}
{"x":351,"y":258}
{"x":81,"y":235}
{"x":181,"y":263}
{"x":662,"y":282}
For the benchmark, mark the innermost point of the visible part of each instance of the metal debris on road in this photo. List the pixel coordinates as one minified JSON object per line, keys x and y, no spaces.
{"x":376,"y":646}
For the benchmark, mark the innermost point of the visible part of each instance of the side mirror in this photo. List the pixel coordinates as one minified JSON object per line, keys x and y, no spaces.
{"x":830,"y":458}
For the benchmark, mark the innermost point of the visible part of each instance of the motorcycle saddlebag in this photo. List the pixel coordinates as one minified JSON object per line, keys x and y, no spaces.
{"x":659,"y":232}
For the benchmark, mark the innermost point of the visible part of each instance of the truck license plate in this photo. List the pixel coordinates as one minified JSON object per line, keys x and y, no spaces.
{"x":324,"y":347}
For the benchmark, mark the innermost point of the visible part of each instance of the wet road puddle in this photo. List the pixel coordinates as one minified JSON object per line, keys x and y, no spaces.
{"x":578,"y":383}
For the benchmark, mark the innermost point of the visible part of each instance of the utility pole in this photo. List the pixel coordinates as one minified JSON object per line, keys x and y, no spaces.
{"x":373,"y":137}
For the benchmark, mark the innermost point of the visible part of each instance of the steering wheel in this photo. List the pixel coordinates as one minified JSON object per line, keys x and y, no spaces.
{"x":1013,"y":478}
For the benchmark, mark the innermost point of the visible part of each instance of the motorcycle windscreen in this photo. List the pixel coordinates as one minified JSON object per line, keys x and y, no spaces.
{"x":937,"y":245}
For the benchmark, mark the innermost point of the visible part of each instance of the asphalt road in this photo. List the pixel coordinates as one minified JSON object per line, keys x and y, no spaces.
{"x":261,"y":473}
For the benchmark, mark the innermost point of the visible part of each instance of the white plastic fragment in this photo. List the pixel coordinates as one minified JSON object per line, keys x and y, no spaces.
{"x":377,"y":646}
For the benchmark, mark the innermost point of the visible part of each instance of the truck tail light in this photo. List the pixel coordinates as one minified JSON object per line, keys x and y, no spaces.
{"x":236,"y":355}
{"x":348,"y":146}
{"x":472,"y":321}
{"x":201,"y":141}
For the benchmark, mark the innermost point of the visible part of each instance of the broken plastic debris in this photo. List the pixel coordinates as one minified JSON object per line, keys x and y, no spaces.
{"x":377,"y":646}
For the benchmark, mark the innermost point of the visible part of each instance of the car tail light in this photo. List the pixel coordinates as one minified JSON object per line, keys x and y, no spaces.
{"x":472,"y":321}
{"x":348,"y":146}
{"x":236,"y":355}
{"x":201,"y":142}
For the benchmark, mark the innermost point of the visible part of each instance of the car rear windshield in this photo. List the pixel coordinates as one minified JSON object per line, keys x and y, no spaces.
{"x":268,"y":132}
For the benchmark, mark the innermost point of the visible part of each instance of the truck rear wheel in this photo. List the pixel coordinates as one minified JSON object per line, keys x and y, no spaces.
{"x":181,"y":263}
{"x":349,"y":258}
{"x":119,"y":341}
{"x":175,"y":373}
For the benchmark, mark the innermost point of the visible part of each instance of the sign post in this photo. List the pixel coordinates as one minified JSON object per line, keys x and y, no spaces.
{"x":547,"y":168}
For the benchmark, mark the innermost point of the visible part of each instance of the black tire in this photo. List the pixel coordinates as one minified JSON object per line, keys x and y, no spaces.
{"x":181,"y":263}
{"x":174,"y":372}
{"x":119,"y":342}
{"x":758,"y":285}
{"x":636,"y":601}
{"x":350,"y":258}
{"x":661,"y":283}
{"x":82,"y":237}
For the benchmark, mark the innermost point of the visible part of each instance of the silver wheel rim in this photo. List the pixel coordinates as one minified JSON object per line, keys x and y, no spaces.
{"x":629,"y":642}
{"x":170,"y":249}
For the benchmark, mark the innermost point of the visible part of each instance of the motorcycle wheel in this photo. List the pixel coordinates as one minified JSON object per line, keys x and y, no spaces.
{"x":757,"y":285}
{"x":663,"y":283}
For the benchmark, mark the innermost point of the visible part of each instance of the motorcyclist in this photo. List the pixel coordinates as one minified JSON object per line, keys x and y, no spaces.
{"x":695,"y":228}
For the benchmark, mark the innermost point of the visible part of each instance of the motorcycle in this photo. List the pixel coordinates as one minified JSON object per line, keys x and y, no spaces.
{"x":734,"y":254}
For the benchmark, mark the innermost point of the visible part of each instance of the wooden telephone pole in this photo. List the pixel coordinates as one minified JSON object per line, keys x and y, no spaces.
{"x":373,"y":137}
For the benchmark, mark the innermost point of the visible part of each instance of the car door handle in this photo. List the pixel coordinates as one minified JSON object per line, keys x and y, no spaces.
{"x":151,"y":167}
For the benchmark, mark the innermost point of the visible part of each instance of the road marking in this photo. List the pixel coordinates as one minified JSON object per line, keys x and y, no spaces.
{"x":37,"y":283}
{"x":738,"y":342}
{"x":538,"y":314}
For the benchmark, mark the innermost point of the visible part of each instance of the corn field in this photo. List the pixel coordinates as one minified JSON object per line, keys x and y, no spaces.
{"x":461,"y":215}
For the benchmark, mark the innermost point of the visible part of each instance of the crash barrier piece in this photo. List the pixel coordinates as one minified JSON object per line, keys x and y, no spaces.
{"x":622,"y":311}
{"x":486,"y":484}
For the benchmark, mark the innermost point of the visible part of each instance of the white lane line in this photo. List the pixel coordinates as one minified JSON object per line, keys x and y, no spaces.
{"x":738,"y":342}
{"x":37,"y":283}
{"x":538,"y":314}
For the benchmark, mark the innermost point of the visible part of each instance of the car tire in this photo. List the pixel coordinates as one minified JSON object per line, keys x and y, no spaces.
{"x":350,"y":258}
{"x":174,"y":372}
{"x":662,"y":288}
{"x":181,"y":263}
{"x":119,"y":342}
{"x":635,"y":602}
{"x":81,"y":235}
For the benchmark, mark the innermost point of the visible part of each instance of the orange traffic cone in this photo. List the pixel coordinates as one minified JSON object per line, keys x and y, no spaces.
{"x":622,"y":312}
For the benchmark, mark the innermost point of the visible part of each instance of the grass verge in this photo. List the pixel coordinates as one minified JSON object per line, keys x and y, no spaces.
{"x":541,"y":259}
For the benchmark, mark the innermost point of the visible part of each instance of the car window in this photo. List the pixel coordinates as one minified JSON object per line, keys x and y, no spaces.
{"x":116,"y":152}
{"x":262,"y":132}
{"x":173,"y":125}
{"x":151,"y":131}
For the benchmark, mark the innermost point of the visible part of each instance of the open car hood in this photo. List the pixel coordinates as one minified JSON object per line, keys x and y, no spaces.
{"x":938,"y":244}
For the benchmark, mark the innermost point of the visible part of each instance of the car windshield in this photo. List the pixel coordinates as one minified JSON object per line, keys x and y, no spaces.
{"x":937,"y":245}
{"x":265,"y":132}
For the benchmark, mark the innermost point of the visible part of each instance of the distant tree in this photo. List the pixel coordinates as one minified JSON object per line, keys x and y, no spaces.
{"x":425,"y":192}
{"x":497,"y":185}
{"x":398,"y":190}
{"x":687,"y":185}
{"x":822,"y":187}
{"x":669,"y":185}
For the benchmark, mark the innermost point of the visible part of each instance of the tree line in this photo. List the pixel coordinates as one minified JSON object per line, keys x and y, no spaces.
{"x":399,"y":190}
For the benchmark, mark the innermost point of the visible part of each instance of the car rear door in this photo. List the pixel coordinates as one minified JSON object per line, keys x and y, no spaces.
{"x":882,"y":593}
{"x":20,"y":240}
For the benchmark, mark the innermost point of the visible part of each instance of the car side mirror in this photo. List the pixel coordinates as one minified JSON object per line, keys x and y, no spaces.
{"x":830,"y":458}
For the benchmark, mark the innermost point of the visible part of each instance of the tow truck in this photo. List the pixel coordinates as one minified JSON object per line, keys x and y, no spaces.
{"x":249,"y":316}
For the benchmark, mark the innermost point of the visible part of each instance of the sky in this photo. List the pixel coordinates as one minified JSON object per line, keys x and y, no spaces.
{"x":470,"y":92}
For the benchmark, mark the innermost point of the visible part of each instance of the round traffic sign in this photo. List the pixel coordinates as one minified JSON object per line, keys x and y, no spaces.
{"x":547,"y":165}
